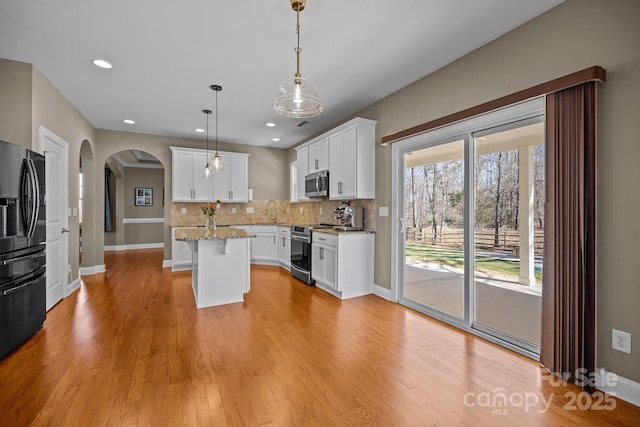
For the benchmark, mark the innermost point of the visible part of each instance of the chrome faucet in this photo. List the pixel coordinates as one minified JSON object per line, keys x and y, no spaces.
{"x":274,"y":212}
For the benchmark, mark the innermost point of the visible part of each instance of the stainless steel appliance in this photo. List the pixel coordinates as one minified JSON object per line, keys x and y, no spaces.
{"x":301,"y":251}
{"x":351,"y":217}
{"x":22,"y":245}
{"x":317,"y":184}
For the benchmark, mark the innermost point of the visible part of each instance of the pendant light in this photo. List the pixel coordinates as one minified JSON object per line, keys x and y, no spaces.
{"x":298,"y":97}
{"x":207,"y":172}
{"x":216,"y":163}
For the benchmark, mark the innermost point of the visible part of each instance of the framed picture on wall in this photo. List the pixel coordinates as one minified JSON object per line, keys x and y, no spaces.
{"x":144,"y":196}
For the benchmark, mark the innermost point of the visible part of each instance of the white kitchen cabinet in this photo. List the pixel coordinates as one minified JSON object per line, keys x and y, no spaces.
{"x":302,"y":164}
{"x":264,"y":247}
{"x":352,"y":160}
{"x":187,"y":185}
{"x":181,"y":258}
{"x":284,"y":246}
{"x":230,"y":185}
{"x":324,"y":260}
{"x":342,"y":264}
{"x":318,"y":155}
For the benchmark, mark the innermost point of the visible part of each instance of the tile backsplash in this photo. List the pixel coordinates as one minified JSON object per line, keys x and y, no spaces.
{"x":285,"y":212}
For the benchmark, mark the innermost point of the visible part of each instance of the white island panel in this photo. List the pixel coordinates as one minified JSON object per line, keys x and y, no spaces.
{"x":221,"y":265}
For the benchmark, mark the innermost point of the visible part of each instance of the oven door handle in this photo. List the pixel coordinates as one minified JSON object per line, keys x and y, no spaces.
{"x":303,"y":239}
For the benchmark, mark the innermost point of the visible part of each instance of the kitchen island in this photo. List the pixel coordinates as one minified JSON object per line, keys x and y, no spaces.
{"x":221,"y":264}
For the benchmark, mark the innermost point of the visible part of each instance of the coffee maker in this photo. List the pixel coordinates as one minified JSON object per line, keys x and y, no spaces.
{"x":351,"y":217}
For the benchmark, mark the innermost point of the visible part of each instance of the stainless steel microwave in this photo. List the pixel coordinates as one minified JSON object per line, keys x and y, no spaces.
{"x":316,"y":184}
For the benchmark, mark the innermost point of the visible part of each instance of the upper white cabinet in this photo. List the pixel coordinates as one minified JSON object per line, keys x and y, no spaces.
{"x":319,"y":155}
{"x":230,"y":185}
{"x":188,"y":185}
{"x":352,"y":160}
{"x":348,"y":152}
{"x":302,"y":165}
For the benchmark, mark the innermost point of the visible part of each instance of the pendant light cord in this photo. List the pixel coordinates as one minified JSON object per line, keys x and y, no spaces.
{"x":216,"y":122}
{"x":297,"y":48}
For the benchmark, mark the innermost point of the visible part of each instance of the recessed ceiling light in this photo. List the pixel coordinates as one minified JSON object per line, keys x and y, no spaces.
{"x":270,"y":124}
{"x":200,"y":130}
{"x":102,"y":63}
{"x":129,"y":121}
{"x":276,"y":139}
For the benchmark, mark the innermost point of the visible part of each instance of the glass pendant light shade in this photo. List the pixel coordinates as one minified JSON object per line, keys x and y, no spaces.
{"x":298,"y":98}
{"x":206,"y":172}
{"x":216,"y":163}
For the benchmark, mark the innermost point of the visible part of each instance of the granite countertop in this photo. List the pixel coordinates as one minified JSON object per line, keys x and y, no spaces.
{"x":220,"y":233}
{"x":332,"y":231}
{"x":280,"y":224}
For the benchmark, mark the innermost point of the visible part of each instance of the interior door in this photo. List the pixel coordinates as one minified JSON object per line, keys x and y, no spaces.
{"x":56,"y":172}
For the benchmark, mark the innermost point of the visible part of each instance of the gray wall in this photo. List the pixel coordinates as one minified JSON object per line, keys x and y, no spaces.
{"x":15,"y":102}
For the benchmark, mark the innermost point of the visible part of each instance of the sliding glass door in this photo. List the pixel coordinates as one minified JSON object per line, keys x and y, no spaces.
{"x":470,"y":210}
{"x":434,"y":249}
{"x":508,"y":219}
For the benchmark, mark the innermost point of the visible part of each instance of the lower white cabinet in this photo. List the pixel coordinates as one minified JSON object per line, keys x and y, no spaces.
{"x":284,"y":246}
{"x":181,"y":258}
{"x":342,"y":264}
{"x":264,"y":247}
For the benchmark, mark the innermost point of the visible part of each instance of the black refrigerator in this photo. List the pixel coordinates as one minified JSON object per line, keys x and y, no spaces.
{"x":22,"y":245}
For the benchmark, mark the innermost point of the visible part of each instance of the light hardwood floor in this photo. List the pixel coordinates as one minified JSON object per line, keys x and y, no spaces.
{"x":130,"y":348}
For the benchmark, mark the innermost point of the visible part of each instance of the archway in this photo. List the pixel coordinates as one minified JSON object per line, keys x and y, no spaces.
{"x":134,"y":201}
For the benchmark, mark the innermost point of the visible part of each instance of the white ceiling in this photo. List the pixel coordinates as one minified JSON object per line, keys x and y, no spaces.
{"x":166,"y":54}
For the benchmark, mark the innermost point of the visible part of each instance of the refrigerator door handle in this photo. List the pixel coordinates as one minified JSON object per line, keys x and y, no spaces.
{"x":35,"y":201}
{"x":30,"y":193}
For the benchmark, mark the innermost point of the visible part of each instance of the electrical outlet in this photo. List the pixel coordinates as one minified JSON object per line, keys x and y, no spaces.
{"x":621,"y":341}
{"x":233,"y":210}
{"x":320,"y":210}
{"x":250,"y":209}
{"x":301,"y":209}
{"x":183,"y":211}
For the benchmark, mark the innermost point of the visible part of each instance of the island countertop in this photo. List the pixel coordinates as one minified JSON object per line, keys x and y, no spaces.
{"x":220,"y":233}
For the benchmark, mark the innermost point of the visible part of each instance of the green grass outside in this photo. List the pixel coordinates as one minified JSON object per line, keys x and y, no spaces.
{"x":454,"y":257}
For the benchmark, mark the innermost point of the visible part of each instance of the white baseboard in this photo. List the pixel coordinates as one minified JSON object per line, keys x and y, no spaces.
{"x":621,"y":388}
{"x":133,"y":247}
{"x":382,"y":292}
{"x":88,"y":271}
{"x":167,"y":263}
{"x":73,"y":286}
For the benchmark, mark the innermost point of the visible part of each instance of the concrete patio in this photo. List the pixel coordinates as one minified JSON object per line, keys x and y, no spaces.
{"x":501,"y":303}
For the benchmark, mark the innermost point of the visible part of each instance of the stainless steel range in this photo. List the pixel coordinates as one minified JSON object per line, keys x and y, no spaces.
{"x":301,"y":251}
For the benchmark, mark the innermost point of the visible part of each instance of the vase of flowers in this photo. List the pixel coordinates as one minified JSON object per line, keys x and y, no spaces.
{"x":210,"y":211}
